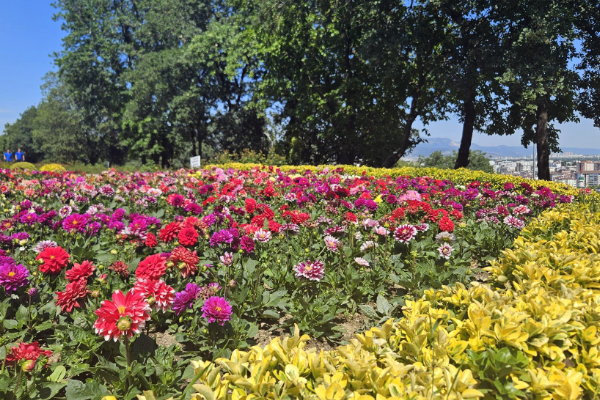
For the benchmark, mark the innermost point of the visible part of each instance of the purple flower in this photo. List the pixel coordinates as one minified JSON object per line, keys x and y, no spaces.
{"x":185,"y":299}
{"x":216,"y":309}
{"x":32,"y":291}
{"x":74,"y":222}
{"x":29,"y":218}
{"x":118,"y":214}
{"x":20,"y":236}
{"x":116,"y":225}
{"x":13,"y":276}
{"x":193,"y":208}
{"x":93,"y":228}
{"x":223,"y":236}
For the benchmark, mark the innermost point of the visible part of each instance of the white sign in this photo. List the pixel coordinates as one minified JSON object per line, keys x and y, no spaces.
{"x":195,"y":162}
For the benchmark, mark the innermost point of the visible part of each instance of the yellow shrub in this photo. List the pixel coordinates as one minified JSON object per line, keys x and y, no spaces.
{"x":23,"y":165}
{"x":53,"y":168}
{"x":532,"y":333}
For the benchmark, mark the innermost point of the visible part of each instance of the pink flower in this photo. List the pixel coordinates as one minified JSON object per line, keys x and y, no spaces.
{"x":332,"y":243}
{"x":514,"y":222}
{"x":158,"y":294}
{"x":262,"y":236}
{"x":405,"y":233}
{"x":126,"y":314}
{"x":311,"y":270}
{"x":216,"y":309}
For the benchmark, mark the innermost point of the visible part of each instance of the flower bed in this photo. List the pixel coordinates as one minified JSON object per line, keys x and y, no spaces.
{"x":112,"y":282}
{"x":532,"y":333}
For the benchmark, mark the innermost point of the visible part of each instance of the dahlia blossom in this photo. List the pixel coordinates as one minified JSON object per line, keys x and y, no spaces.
{"x":158,"y":294}
{"x":247,"y":244}
{"x":405,"y":233}
{"x":152,"y":267}
{"x":311,"y":270}
{"x":186,"y":260}
{"x":80,"y":271}
{"x":26,"y":351}
{"x":216,"y":309}
{"x":54,"y":259}
{"x":72,"y":296}
{"x":120,"y":268}
{"x":227,"y":258}
{"x":514,"y":222}
{"x":13,"y":276}
{"x":361,"y":261}
{"x":369,"y":244}
{"x":262,"y":236}
{"x":332,"y":243}
{"x":126,"y":314}
{"x":445,"y":237}
{"x":74,"y":222}
{"x":188,"y":236}
{"x":185,"y":299}
{"x":445,"y":250}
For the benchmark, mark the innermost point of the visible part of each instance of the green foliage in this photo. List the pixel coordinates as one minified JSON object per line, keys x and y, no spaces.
{"x":22,"y":165}
{"x":478,"y":161}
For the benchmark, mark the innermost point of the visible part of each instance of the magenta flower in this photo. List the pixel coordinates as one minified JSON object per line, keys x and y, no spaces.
{"x":13,"y":276}
{"x":186,"y":298}
{"x":74,"y":222}
{"x":247,"y":244}
{"x":216,"y":309}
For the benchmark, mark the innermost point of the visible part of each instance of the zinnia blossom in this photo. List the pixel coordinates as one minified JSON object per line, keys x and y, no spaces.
{"x":72,"y":296}
{"x":74,"y":222}
{"x":216,"y":309}
{"x":311,"y":270}
{"x":13,"y":276}
{"x":152,"y":267}
{"x":169,"y":232}
{"x":54,"y":260}
{"x":126,"y":315}
{"x":446,"y":224}
{"x":185,"y":299}
{"x":151,"y":240}
{"x":188,"y":236}
{"x":80,"y":271}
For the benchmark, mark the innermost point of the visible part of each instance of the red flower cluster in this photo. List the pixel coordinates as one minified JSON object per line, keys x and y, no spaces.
{"x":54,"y":260}
{"x":446,"y":224}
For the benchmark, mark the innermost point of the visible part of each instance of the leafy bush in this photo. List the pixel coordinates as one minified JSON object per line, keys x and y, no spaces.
{"x":23,"y":165}
{"x":53,"y":168}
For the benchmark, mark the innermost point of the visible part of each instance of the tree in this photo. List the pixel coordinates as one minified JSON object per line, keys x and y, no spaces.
{"x":478,"y":161}
{"x":19,"y":134}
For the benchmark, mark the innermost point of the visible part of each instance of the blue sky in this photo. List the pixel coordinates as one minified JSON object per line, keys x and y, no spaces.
{"x":29,"y":36}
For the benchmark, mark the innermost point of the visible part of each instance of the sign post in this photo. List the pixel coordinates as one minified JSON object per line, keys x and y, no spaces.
{"x":195,"y":162}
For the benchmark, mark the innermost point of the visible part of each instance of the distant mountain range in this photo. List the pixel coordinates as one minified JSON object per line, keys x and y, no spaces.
{"x":446,"y":146}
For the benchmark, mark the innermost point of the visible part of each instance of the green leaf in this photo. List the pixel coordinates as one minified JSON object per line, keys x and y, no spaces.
{"x":10,"y":323}
{"x":383,"y":306}
{"x":77,"y":390}
{"x":270,"y":314}
{"x":58,"y":374}
{"x":48,"y":390}
{"x":368,"y":311}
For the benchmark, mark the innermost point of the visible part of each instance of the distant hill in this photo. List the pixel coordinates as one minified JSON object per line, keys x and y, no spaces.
{"x":446,"y":146}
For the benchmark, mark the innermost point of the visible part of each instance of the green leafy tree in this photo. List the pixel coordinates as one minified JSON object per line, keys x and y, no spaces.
{"x":19,"y":134}
{"x":478,"y":161}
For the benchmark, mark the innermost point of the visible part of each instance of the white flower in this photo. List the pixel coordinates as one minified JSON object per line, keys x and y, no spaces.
{"x":262,"y":236}
{"x":368,"y":245}
{"x":445,"y":250}
{"x":361,"y":261}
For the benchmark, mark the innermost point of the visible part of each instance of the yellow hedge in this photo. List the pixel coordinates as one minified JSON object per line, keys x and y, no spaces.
{"x":459,"y":176}
{"x":532,"y":333}
{"x":23,"y":165}
{"x":53,"y":168}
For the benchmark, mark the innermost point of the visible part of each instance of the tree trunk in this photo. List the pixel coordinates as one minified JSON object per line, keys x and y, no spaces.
{"x":193,"y":137}
{"x":393,"y":159}
{"x":543,"y":147}
{"x":462,"y":161}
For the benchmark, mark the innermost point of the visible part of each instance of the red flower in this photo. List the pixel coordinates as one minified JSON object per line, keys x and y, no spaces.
{"x":186,"y":261}
{"x":26,"y":351}
{"x":159,"y":295}
{"x":80,"y":271}
{"x":152,"y":267}
{"x":274,"y":226}
{"x":250,"y":205}
{"x":188,"y":236}
{"x":446,"y":224}
{"x":120,"y":268}
{"x":151,"y":240}
{"x":456,"y":214}
{"x":351,"y":217}
{"x":71,"y":297}
{"x":126,"y":314}
{"x":54,"y":260}
{"x":169,"y":232}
